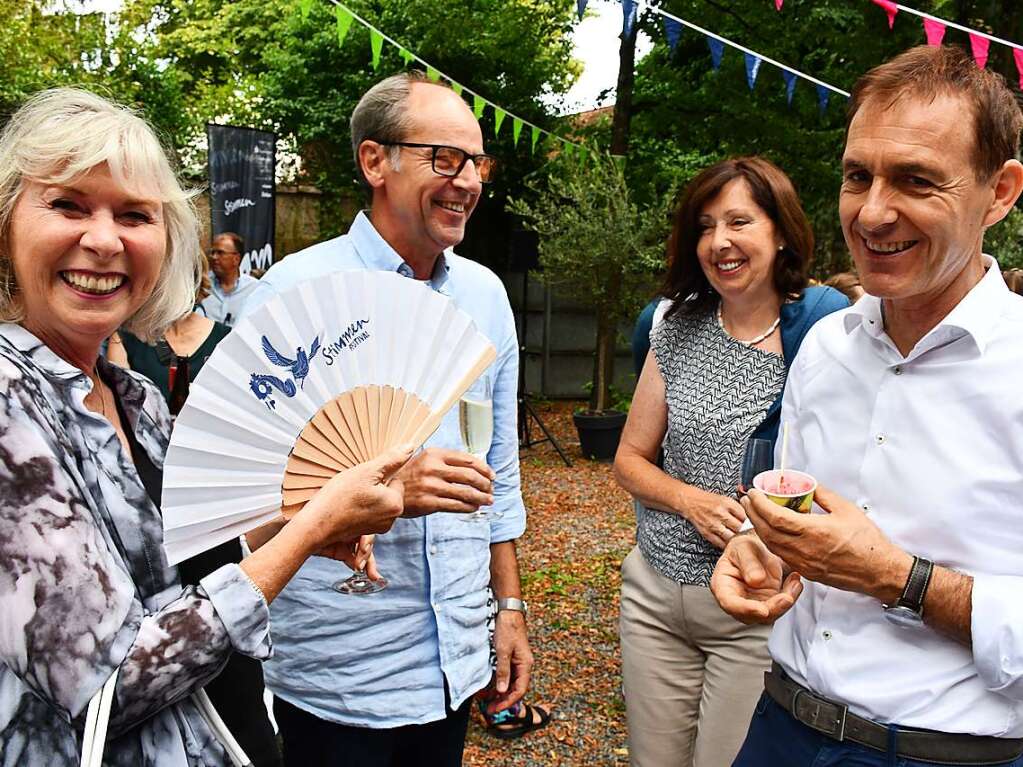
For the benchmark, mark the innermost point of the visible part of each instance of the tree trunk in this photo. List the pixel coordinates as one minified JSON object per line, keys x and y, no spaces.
{"x":623,"y":94}
{"x":603,"y":365}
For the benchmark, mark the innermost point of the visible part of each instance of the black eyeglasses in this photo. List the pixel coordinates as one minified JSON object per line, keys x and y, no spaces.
{"x":449,"y":160}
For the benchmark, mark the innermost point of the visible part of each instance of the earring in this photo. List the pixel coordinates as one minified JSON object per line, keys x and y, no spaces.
{"x":781,"y":248}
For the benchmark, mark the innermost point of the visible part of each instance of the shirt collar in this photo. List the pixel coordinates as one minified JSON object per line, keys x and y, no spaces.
{"x":976,"y":315}
{"x":377,"y":254}
{"x":52,"y":366}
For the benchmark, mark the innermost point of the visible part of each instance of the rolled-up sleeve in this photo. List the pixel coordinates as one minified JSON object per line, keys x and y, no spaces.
{"x":504,"y":451}
{"x":242,"y":608}
{"x":997,"y":627}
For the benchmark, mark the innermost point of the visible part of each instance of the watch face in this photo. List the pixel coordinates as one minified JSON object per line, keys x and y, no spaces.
{"x":903,"y":617}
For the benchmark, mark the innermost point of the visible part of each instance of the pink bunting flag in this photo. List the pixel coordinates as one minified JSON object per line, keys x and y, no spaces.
{"x":778,"y":4}
{"x":1017,"y":56}
{"x":890,"y":8}
{"x":935,"y":31}
{"x":979,"y":46}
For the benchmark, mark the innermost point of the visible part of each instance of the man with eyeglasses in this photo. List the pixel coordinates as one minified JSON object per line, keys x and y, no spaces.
{"x":387,"y":680}
{"x":229,"y":288}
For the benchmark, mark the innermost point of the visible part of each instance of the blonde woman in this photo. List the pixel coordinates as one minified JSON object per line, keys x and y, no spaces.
{"x":95,"y":235}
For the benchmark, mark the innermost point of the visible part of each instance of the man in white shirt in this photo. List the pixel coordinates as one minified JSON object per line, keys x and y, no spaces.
{"x":904,"y":644}
{"x":229,"y":288}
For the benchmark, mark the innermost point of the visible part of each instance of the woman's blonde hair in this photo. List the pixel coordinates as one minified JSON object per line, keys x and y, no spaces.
{"x":59,"y":135}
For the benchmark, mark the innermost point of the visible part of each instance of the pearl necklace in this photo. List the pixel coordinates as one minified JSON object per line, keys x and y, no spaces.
{"x":752,"y":341}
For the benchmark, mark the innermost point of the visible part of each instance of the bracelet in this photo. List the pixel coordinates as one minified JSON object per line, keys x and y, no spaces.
{"x":254,"y":585}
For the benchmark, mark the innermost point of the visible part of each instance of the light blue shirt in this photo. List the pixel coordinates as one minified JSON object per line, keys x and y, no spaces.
{"x":227,"y":307}
{"x":381,"y":660}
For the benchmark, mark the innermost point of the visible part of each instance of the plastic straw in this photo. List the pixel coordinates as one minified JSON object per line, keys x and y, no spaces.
{"x":784,"y":450}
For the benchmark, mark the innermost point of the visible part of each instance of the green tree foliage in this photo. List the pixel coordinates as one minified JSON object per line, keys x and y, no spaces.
{"x":686,"y":115}
{"x":597,"y":245}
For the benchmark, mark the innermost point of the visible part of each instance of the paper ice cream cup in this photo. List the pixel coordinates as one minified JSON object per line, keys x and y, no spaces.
{"x":796,"y":492}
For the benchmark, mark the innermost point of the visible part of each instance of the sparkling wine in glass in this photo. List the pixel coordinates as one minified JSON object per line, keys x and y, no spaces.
{"x":476,"y":423}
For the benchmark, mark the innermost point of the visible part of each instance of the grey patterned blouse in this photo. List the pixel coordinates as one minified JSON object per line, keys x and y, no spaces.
{"x":85,"y":586}
{"x":718,"y":391}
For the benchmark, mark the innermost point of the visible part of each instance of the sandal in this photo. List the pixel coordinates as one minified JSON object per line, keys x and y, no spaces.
{"x":508,"y":725}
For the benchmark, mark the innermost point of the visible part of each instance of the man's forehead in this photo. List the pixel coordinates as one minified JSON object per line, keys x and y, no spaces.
{"x":438,"y":115}
{"x":911,"y":130}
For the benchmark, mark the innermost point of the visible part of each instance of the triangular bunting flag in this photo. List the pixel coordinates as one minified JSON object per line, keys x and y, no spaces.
{"x":790,"y":84}
{"x":672,"y":31}
{"x":1017,"y":56}
{"x":778,"y":4}
{"x":376,"y":44}
{"x":498,"y":119}
{"x":717,"y":50}
{"x":823,"y":94}
{"x":516,"y":130}
{"x":979,"y":46}
{"x":535,"y":137}
{"x":432,"y":73}
{"x":628,"y":16}
{"x":478,"y":105}
{"x":580,"y":6}
{"x":406,"y":56}
{"x":344,"y":23}
{"x":935,"y":31}
{"x":305,"y":7}
{"x":457,"y":88}
{"x":890,"y":8}
{"x":567,"y":149}
{"x":752,"y":69}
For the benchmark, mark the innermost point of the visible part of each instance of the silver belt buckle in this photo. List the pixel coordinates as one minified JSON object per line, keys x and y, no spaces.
{"x":822,"y":715}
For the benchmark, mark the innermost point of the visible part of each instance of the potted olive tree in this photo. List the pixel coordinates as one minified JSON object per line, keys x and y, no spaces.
{"x":599,"y":246}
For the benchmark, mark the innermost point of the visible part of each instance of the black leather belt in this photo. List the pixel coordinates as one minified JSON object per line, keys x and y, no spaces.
{"x":834,"y":720}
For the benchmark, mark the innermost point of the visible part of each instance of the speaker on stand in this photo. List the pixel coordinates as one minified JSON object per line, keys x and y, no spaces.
{"x":524,"y":256}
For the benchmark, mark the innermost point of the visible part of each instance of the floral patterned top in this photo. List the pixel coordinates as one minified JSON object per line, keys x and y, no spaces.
{"x":84,"y":584}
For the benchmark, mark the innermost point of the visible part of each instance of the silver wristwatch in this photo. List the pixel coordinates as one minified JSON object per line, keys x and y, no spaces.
{"x":511,"y":603}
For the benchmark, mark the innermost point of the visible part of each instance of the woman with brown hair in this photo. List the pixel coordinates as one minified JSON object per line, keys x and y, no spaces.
{"x":737,"y":278}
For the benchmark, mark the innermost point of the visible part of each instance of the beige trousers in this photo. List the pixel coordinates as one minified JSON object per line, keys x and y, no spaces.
{"x":692,"y":673}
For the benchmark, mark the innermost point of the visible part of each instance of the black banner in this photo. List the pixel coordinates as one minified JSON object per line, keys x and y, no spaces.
{"x":242,"y":186}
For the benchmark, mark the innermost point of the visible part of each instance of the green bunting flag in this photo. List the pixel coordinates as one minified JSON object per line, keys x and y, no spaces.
{"x":498,"y":119}
{"x":567,"y":150}
{"x":536,"y":137}
{"x":432,"y":73}
{"x":457,"y":88}
{"x":406,"y":56}
{"x":344,"y":23}
{"x":305,"y":7}
{"x":478,"y":105}
{"x":376,"y":43}
{"x":516,"y":130}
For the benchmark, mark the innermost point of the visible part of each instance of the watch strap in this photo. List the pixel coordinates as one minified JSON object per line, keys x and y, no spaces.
{"x":511,"y":603}
{"x":916,"y":585}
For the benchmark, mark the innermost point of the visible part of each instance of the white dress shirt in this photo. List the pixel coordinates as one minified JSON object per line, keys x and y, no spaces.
{"x":930,"y":446}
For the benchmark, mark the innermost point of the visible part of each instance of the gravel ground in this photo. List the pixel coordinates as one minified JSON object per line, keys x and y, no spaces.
{"x":581,"y":525}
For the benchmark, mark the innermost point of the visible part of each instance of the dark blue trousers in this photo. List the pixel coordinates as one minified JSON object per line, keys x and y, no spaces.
{"x":777,"y":739}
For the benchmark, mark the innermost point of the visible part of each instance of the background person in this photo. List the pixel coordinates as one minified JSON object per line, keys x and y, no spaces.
{"x":903,"y":645}
{"x":846,"y":283}
{"x":389,"y":678}
{"x":185,"y":345}
{"x":85,"y":588}
{"x":229,"y":288}
{"x":741,"y":245}
{"x":1014,"y":280}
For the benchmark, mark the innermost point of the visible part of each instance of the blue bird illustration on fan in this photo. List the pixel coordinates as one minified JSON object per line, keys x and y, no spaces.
{"x":263,"y":385}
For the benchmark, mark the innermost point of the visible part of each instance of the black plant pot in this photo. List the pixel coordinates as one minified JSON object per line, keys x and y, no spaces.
{"x":599,"y":433}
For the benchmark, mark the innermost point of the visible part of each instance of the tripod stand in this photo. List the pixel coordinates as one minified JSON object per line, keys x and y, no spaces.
{"x":526,"y":409}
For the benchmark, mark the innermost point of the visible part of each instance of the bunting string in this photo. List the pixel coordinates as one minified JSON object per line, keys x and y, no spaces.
{"x":345,"y":15}
{"x":716,"y":43}
{"x":934,"y":28}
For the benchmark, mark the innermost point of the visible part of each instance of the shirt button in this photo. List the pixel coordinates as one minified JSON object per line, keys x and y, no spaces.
{"x":866,"y":507}
{"x":879,"y":439}
{"x":826,"y":635}
{"x":898,"y":370}
{"x":433,"y":549}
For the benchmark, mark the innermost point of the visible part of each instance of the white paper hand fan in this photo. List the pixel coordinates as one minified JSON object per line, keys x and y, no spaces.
{"x":322,"y":377}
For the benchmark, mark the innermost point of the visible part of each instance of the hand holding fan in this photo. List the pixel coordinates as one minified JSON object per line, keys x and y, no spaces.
{"x":321,"y":378}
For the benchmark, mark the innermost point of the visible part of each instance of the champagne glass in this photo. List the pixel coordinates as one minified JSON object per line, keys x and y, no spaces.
{"x":759,"y":457}
{"x":476,"y":423}
{"x":358,"y":584}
